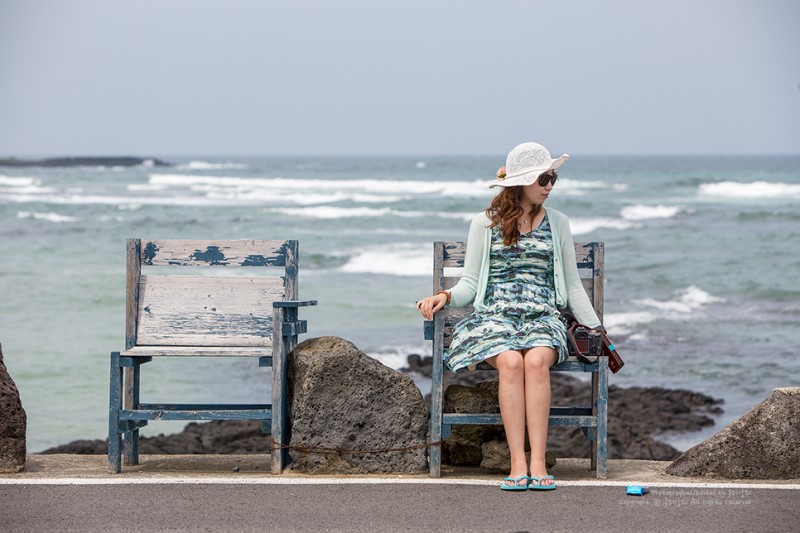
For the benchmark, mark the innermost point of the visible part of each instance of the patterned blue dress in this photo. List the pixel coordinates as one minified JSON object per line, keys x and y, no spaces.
{"x":520,"y":302}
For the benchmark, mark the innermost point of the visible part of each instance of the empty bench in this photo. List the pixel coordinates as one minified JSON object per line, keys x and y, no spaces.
{"x":199,"y":298}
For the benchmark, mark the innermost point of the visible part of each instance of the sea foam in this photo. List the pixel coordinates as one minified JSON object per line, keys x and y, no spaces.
{"x":645,"y":212}
{"x":205,"y":165}
{"x":404,"y":259}
{"x":413,"y":187}
{"x":81,"y":199}
{"x":329,"y":212}
{"x":17,"y":181}
{"x":359,"y":190}
{"x":11,"y":186}
{"x":686,"y":302}
{"x":333,"y":212}
{"x":756,"y":189}
{"x":579,"y":226}
{"x":625,"y":323}
{"x":49,"y":217}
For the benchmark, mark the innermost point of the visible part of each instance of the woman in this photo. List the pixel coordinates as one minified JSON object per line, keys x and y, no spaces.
{"x":519,"y":272}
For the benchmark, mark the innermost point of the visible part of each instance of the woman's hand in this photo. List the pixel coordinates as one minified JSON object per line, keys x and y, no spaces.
{"x":428,"y":306}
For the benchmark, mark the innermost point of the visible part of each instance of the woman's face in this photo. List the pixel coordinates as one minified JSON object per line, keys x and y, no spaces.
{"x":536,"y":194}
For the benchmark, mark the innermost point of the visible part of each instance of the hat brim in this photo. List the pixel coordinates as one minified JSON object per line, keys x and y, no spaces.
{"x":528,"y":176}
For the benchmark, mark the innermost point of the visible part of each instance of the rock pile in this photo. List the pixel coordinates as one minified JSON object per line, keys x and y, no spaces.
{"x":636,"y":415}
{"x":339,"y":399}
{"x":217,"y":436}
{"x":761,"y":444}
{"x":342,"y":399}
{"x":353,"y":396}
{"x":13,"y":423}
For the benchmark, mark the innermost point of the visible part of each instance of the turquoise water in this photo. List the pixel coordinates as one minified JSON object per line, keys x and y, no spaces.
{"x":702,"y":273}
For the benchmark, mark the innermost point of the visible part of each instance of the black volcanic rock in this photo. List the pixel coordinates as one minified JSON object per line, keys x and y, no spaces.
{"x":13,"y":423}
{"x":228,"y":436}
{"x":341,"y":398}
{"x":637,"y":416}
{"x":761,"y":444}
{"x":84,"y":162}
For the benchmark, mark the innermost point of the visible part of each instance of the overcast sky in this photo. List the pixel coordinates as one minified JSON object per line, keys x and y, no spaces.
{"x":199,"y":77}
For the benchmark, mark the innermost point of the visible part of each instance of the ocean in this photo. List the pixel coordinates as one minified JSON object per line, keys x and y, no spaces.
{"x":702,"y":269}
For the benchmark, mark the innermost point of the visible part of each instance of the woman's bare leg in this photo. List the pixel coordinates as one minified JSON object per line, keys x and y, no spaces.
{"x":511,"y":392}
{"x":537,"y":363}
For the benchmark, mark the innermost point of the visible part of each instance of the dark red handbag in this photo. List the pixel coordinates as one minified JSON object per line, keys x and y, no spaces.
{"x":585,"y":344}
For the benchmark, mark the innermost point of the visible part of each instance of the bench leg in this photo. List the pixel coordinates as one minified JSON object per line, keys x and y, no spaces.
{"x":602,"y":418}
{"x":131,"y":387}
{"x":435,"y":450}
{"x":280,"y":359}
{"x":114,"y":405}
{"x":437,"y":376}
{"x":278,"y":429}
{"x":593,"y":441}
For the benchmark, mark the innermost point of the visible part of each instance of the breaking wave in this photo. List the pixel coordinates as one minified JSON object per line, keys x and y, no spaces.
{"x":646,"y":212}
{"x":756,"y":189}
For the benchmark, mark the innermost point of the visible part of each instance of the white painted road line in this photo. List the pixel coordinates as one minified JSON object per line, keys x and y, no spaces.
{"x":370,"y":481}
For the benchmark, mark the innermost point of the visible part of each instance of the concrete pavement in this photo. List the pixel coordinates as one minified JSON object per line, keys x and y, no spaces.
{"x":254,"y":468}
{"x":389,"y":507}
{"x":204,"y":493}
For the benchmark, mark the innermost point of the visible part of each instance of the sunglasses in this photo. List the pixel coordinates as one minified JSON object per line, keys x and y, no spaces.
{"x":547,"y":177}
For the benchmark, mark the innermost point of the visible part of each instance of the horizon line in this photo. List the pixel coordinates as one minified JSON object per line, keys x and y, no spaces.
{"x":403,"y":154}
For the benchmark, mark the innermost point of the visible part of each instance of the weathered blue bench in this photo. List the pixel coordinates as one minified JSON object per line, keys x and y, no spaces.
{"x":448,"y":260}
{"x":239,"y":299}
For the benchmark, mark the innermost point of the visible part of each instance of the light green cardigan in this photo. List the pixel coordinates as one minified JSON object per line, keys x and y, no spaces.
{"x":570,"y":294}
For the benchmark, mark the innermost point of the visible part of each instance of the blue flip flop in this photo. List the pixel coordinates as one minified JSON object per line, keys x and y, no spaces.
{"x":538,"y":485}
{"x":517,"y":485}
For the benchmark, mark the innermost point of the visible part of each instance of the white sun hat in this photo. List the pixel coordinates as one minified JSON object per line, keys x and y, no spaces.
{"x":525,"y":163}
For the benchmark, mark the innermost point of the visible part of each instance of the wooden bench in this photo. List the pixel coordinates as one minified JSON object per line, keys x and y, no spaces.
{"x":239,"y":299}
{"x":448,"y":259}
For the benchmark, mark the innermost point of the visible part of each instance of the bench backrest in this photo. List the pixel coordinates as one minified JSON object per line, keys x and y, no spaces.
{"x":448,"y":262}
{"x":206,"y":293}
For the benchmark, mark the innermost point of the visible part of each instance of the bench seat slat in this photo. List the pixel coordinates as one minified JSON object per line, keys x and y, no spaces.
{"x":198,"y":351}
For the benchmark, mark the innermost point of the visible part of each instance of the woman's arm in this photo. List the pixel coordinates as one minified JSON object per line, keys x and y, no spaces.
{"x":463,"y":293}
{"x":577,"y":300}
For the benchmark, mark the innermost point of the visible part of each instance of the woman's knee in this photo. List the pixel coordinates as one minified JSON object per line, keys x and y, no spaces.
{"x":509,"y":364}
{"x":539,"y":360}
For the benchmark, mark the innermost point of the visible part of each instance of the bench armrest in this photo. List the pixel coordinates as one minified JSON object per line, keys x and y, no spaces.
{"x":286,"y":312}
{"x":294,"y":303}
{"x":427,"y":329}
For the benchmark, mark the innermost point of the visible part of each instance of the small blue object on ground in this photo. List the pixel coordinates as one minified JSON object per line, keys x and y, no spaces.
{"x":636,"y":490}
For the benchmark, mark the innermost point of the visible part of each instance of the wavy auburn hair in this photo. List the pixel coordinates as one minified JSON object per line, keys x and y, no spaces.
{"x":506,"y":208}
